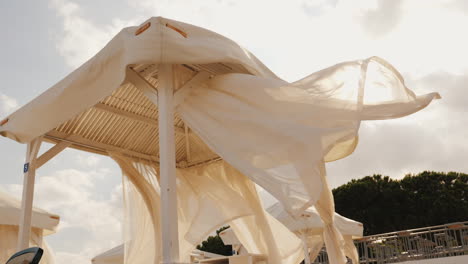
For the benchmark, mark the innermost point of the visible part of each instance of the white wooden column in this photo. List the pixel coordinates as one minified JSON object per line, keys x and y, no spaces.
{"x":169,"y":223}
{"x":28,"y":193}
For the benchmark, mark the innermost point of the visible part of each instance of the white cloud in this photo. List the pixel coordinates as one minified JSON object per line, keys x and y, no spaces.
{"x":304,"y":36}
{"x":89,"y":224}
{"x":88,"y":160}
{"x":383,"y":18}
{"x":81,"y":39}
{"x":7,"y":104}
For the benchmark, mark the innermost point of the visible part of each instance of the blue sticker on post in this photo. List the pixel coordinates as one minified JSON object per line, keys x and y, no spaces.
{"x":26,"y":167}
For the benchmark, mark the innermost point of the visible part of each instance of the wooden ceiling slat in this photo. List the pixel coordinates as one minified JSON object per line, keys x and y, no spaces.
{"x":125,"y":126}
{"x":127,"y":120}
{"x":95,"y":131}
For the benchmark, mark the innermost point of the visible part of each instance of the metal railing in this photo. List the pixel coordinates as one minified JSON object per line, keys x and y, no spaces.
{"x":415,"y":244}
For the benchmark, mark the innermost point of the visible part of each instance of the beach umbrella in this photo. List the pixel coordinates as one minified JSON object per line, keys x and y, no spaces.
{"x":193,"y":120}
{"x":309,"y":227}
{"x":42,"y":224}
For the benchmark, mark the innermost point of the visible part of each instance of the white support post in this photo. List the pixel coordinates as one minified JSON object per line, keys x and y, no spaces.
{"x":169,"y":222}
{"x":28,"y":194}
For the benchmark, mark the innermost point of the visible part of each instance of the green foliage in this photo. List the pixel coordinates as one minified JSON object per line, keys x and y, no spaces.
{"x":386,"y":205}
{"x":214,"y":244}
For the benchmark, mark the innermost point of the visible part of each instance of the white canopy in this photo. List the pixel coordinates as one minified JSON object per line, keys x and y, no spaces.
{"x":167,"y":77}
{"x":310,"y":222}
{"x":43,"y":223}
{"x":10,"y":209}
{"x":309,"y":227}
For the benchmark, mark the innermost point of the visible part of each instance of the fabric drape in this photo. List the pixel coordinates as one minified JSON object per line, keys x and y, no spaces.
{"x":209,"y":197}
{"x":278,"y":135}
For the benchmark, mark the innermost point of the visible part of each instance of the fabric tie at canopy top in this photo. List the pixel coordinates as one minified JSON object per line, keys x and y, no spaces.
{"x":230,"y":106}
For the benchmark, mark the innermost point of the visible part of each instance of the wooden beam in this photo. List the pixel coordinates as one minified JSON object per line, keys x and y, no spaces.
{"x":120,"y":112}
{"x":141,"y":83}
{"x":96,"y":147}
{"x":167,"y":166}
{"x":200,"y":163}
{"x":184,"y":91}
{"x":144,"y":119}
{"x":52,"y":152}
{"x":29,"y":171}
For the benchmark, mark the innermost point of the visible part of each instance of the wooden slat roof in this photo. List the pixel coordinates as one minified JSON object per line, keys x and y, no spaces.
{"x":127,"y":121}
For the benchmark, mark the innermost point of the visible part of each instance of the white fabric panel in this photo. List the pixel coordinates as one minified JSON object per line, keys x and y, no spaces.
{"x":208,"y":197}
{"x":315,"y":244}
{"x":229,"y":237}
{"x":278,"y":134}
{"x":281,"y":246}
{"x":348,"y":227}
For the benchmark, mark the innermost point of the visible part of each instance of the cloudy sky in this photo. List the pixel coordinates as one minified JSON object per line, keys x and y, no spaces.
{"x":44,"y":40}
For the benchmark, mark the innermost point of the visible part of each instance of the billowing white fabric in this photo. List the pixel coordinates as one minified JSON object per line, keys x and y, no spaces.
{"x":249,"y":231}
{"x":208,"y":197}
{"x":276,"y":133}
{"x":42,"y":223}
{"x":281,"y":134}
